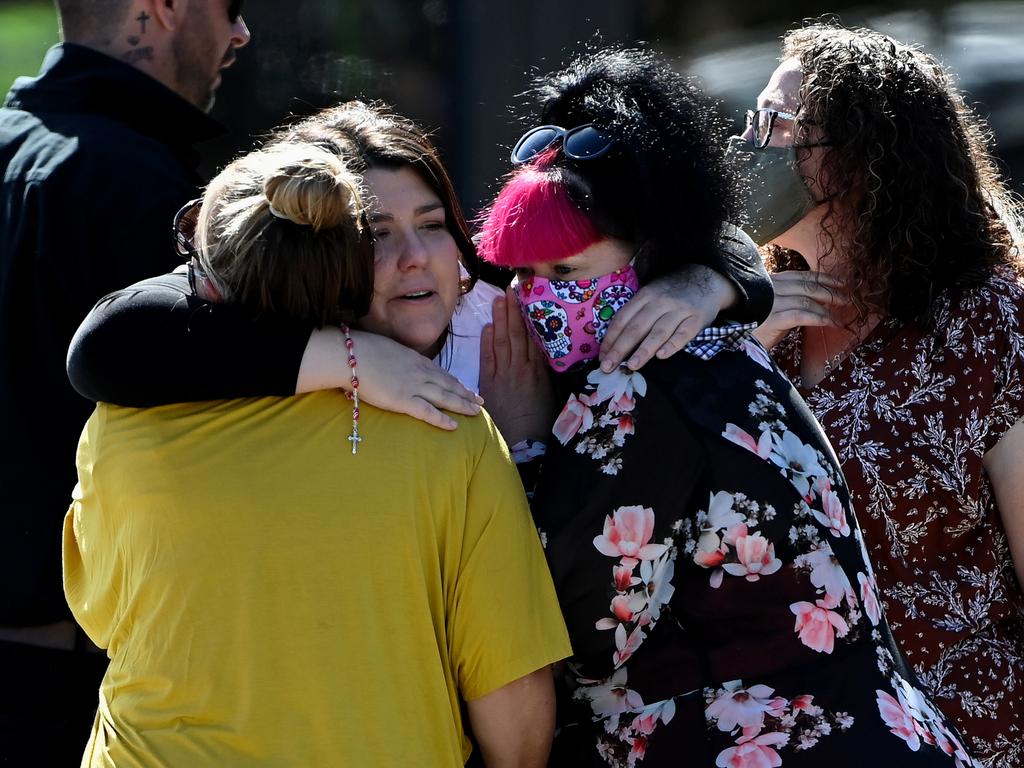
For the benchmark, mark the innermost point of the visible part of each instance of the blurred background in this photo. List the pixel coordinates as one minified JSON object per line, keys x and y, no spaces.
{"x":459,"y":66}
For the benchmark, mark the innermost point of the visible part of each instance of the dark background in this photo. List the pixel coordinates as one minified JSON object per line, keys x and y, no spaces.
{"x":457,"y":66}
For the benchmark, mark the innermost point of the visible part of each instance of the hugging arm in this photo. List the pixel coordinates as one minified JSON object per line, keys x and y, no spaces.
{"x":515,"y":724}
{"x":155,"y":343}
{"x":667,"y":313}
{"x":802,"y":298}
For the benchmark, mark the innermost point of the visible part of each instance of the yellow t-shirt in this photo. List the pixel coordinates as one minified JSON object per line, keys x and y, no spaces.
{"x":267,"y":598}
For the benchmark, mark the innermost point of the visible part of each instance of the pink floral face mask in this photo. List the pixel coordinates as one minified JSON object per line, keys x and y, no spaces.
{"x":568,"y":318}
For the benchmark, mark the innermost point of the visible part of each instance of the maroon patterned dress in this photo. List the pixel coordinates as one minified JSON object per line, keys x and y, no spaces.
{"x":911,"y":416}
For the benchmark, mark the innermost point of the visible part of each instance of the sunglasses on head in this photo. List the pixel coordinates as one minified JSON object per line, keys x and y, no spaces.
{"x":234,"y":10}
{"x":584,"y":142}
{"x":185,"y":221}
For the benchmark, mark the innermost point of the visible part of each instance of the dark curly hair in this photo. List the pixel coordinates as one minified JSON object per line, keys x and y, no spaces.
{"x":914,"y":198}
{"x":665,"y":184}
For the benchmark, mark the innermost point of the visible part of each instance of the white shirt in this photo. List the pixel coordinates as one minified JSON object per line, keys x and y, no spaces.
{"x":460,"y":355}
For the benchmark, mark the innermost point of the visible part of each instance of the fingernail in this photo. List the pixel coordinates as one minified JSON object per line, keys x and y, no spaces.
{"x":634,"y":363}
{"x":479,"y":400}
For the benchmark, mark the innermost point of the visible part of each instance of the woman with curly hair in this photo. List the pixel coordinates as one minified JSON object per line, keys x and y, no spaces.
{"x":719,"y":600}
{"x":898,"y":307}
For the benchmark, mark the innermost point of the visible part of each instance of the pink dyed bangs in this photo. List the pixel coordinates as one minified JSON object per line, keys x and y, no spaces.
{"x":533,"y":220}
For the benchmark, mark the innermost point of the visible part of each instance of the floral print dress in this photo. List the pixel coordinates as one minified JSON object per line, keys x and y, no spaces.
{"x":719,"y":599}
{"x":911,"y":416}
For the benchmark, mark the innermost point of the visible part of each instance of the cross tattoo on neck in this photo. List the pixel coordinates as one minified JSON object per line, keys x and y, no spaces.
{"x":142,"y":18}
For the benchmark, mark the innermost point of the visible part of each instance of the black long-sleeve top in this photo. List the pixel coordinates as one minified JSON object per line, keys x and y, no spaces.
{"x":131,"y":348}
{"x":95,"y":158}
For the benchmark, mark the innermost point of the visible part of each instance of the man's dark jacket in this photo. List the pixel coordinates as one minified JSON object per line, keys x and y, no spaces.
{"x":96,"y":158}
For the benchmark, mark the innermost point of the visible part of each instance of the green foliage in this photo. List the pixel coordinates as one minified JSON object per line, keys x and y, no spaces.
{"x":27,"y":29}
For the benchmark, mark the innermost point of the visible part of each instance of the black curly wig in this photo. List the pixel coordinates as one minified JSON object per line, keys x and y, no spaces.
{"x":665,"y":183}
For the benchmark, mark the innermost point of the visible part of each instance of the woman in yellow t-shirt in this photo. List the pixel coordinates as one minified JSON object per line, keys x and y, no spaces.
{"x":272,"y":588}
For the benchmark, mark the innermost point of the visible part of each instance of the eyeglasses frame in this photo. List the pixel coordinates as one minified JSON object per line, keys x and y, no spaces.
{"x":773,"y":114}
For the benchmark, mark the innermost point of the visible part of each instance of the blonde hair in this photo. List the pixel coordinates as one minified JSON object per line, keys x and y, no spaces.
{"x":282,"y":230}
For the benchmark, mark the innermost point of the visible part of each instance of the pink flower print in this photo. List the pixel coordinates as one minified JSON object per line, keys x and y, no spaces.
{"x":899,"y":720}
{"x":762,"y":446}
{"x":778,"y":706}
{"x":797,"y":460}
{"x":734,"y":534}
{"x":711,"y":549}
{"x":627,"y":534}
{"x":626,"y":645}
{"x":620,"y":608}
{"x":817,"y":625}
{"x":647,"y":720}
{"x":624,"y":404}
{"x":806,"y":704}
{"x":620,"y":382}
{"x":756,"y":352}
{"x":613,"y":697}
{"x":756,"y":558}
{"x":575,"y":417}
{"x":637,"y":749}
{"x":869,"y":597}
{"x":624,"y":578}
{"x":920,"y":708}
{"x":721,"y":513}
{"x":938,"y":734}
{"x":709,"y":559}
{"x":827,"y":574}
{"x":626,"y":607}
{"x":753,"y":752}
{"x":658,"y":578}
{"x":625,"y":426}
{"x":821,"y":485}
{"x":739,"y":706}
{"x":834,"y":516}
{"x":949,"y":744}
{"x":712,"y":560}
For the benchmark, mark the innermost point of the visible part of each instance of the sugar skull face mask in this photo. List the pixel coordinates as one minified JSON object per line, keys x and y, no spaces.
{"x":568,"y":318}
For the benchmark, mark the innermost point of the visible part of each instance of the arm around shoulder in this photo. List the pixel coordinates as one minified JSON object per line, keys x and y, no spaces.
{"x":155,"y":343}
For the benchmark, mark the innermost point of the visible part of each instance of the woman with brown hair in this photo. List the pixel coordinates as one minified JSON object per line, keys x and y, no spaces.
{"x":271,"y":591}
{"x":898,"y":306}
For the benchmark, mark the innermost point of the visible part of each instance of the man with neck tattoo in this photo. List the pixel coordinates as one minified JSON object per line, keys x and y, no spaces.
{"x":97,"y":154}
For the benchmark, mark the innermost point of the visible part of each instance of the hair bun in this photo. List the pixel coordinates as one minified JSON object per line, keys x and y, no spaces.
{"x":312,"y":187}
